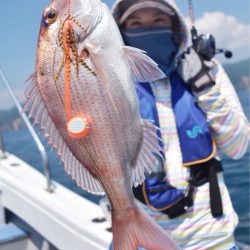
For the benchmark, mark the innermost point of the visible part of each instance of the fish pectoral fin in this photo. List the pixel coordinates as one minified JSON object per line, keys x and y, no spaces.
{"x":147,"y":159}
{"x":144,"y":69}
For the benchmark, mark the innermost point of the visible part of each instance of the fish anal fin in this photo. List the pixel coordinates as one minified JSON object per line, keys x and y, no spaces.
{"x":83,"y":177}
{"x":144,"y":69}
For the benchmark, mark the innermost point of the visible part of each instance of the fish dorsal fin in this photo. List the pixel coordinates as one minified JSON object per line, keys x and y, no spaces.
{"x":36,"y":109}
{"x":144,"y":69}
{"x":147,"y":160}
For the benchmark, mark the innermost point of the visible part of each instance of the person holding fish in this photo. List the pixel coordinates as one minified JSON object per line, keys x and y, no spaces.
{"x":200,"y":116}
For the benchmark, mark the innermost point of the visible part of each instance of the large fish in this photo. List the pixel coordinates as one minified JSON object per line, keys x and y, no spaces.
{"x":82,"y":94}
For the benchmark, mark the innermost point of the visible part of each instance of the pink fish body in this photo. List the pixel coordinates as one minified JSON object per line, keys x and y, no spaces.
{"x":84,"y":70}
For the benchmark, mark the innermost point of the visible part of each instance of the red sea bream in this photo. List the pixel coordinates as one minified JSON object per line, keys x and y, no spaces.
{"x":83,"y":96}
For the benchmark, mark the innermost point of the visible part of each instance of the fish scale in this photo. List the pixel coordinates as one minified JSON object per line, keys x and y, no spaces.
{"x":51,"y":96}
{"x":90,"y":105}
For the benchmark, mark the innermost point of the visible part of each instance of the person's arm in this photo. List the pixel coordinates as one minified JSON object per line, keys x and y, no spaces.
{"x":225,"y":116}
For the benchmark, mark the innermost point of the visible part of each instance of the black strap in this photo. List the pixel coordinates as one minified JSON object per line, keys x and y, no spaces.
{"x":207,"y":172}
{"x":189,"y":193}
{"x":214,"y":190}
{"x":200,"y":174}
{"x":138,"y":193}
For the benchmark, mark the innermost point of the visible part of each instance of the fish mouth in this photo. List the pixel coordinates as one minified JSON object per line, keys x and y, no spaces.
{"x":76,"y":33}
{"x":71,"y":37}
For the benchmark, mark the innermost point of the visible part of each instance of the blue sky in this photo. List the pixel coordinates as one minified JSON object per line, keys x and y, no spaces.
{"x":20,"y":21}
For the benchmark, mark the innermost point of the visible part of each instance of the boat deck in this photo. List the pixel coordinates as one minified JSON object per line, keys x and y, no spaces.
{"x":62,"y":217}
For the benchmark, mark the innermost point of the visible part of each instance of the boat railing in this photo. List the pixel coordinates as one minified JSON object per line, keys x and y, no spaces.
{"x":2,"y":147}
{"x":31,"y":130}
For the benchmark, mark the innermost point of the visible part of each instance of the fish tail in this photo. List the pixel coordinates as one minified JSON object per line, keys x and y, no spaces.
{"x":134,"y":228}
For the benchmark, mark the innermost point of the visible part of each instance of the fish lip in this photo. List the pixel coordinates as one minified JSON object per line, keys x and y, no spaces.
{"x":76,"y":23}
{"x":77,"y":36}
{"x":70,"y":38}
{"x":80,"y":32}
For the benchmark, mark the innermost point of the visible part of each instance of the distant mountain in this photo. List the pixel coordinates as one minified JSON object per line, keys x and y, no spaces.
{"x":7,"y":116}
{"x":10,"y":119}
{"x":238,"y":72}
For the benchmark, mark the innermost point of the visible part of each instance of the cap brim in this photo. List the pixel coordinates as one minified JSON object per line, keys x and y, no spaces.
{"x":143,"y":5}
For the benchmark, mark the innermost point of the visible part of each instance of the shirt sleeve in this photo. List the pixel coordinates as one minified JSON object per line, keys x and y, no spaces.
{"x":229,"y":125}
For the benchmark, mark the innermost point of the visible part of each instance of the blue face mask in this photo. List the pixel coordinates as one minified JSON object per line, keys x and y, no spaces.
{"x":157,"y":42}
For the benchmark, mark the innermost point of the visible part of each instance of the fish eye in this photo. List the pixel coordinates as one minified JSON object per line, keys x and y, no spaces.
{"x":50,"y":15}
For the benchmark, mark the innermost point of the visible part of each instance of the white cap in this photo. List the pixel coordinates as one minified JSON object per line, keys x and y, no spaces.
{"x":146,"y":4}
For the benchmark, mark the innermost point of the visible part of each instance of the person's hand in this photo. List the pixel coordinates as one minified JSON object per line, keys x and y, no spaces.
{"x":195,"y":71}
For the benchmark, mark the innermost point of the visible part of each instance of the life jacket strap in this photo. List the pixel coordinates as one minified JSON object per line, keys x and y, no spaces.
{"x":154,"y":195}
{"x":214,"y":191}
{"x":207,"y":172}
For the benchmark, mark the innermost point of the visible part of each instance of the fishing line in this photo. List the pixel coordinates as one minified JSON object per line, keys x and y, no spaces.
{"x":191,"y":12}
